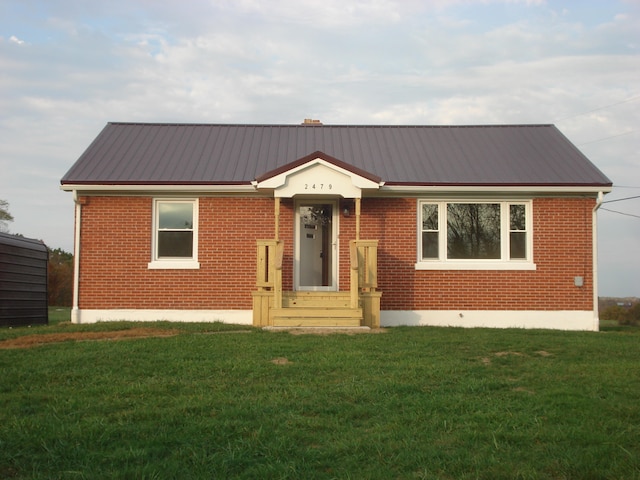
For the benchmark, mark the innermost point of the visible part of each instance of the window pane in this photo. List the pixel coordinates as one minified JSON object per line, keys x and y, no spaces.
{"x":518,"y":244}
{"x":430,"y":245}
{"x":175,"y":215}
{"x":517,"y":217}
{"x":429,"y":216}
{"x":473,"y":231}
{"x":175,"y":244}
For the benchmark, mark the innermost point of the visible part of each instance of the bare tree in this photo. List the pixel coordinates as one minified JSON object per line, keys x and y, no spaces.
{"x":5,"y":216}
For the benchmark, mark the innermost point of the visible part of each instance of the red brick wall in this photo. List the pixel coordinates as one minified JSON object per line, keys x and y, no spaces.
{"x":116,"y":248}
{"x":562,"y":247}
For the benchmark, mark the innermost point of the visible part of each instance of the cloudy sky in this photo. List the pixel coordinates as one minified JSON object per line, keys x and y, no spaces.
{"x":67,"y":67}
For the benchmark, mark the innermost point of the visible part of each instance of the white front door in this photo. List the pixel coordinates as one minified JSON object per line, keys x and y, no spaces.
{"x":316,"y":245}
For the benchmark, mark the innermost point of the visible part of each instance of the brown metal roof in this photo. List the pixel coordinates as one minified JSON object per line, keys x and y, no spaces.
{"x":135,"y":153}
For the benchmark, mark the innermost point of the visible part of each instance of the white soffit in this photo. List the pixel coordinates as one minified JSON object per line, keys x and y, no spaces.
{"x":317,"y":177}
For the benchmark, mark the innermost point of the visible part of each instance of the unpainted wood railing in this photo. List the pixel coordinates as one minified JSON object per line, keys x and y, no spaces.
{"x":269,"y":269}
{"x":364,"y":268}
{"x":363,"y":279}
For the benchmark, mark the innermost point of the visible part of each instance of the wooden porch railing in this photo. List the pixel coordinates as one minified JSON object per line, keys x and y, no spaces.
{"x":269,"y":268}
{"x":363,"y":280}
{"x":364,"y":267}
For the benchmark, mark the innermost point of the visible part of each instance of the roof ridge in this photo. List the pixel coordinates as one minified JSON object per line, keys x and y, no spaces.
{"x":290,"y":125}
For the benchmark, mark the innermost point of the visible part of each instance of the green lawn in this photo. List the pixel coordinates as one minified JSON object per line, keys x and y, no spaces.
{"x":414,"y":402}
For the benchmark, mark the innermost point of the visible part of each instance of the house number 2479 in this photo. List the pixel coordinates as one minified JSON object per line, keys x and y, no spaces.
{"x":318,"y":186}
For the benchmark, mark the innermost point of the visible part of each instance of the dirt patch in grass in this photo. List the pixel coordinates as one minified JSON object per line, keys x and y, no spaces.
{"x":542,"y":353}
{"x":281,"y":361}
{"x":524,"y":390}
{"x":487,"y":360}
{"x":29,"y":341}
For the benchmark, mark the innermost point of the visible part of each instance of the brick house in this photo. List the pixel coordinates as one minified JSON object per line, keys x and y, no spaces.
{"x":282,"y":225}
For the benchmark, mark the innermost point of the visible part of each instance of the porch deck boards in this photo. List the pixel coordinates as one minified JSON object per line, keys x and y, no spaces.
{"x":315,"y":309}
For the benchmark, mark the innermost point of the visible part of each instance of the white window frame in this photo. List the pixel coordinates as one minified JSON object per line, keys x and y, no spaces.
{"x":176,"y":262}
{"x":503,"y":263}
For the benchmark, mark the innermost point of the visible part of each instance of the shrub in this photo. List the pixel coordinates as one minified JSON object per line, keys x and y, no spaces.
{"x":631,"y":316}
{"x":613,"y":312}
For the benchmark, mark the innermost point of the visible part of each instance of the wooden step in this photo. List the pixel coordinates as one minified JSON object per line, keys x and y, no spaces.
{"x":316,"y":299}
{"x":316,"y":317}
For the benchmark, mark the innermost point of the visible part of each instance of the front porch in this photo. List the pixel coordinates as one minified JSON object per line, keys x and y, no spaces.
{"x":360,"y":306}
{"x":315,"y":184}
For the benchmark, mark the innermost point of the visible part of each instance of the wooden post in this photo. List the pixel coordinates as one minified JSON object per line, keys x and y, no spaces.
{"x":277,"y":264}
{"x":357,"y":219}
{"x":354,"y":274}
{"x":277,"y":218}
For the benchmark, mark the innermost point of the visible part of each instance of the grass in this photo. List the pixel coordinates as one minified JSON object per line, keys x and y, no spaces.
{"x":414,"y":402}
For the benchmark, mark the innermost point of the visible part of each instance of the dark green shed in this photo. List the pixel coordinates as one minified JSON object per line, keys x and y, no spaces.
{"x":23,"y":281}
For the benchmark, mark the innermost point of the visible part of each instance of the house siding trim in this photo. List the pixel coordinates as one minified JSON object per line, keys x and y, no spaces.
{"x":239,"y":317}
{"x":530,"y":190}
{"x":385,"y":189}
{"x":579,"y":320}
{"x":554,"y":320}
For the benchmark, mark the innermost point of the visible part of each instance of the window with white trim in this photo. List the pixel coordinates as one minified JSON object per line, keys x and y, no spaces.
{"x":469,"y":234}
{"x":175,"y":236}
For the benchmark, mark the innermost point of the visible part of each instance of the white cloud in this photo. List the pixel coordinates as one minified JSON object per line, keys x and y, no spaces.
{"x":377,"y":61}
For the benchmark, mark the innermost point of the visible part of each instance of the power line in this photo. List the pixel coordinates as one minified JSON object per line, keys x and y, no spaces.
{"x":607,"y":138}
{"x":600,"y":108}
{"x":621,"y":199}
{"x":621,"y":213}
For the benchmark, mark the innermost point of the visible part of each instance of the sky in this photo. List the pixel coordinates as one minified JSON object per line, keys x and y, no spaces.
{"x":67,"y":67}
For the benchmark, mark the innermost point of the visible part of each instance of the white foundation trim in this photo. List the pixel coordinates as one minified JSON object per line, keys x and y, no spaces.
{"x":556,"y":320}
{"x":243,"y":317}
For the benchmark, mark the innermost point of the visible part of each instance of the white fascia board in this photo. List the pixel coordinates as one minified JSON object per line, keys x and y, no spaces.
{"x":89,"y":189}
{"x":404,"y":190}
{"x":380,"y":189}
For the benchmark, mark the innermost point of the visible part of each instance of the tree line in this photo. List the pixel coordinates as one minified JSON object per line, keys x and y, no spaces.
{"x":627,"y":313}
{"x":59,"y":268}
{"x":60,"y":278}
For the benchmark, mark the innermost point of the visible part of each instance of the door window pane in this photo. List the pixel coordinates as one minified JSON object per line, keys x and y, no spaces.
{"x":316,"y":246}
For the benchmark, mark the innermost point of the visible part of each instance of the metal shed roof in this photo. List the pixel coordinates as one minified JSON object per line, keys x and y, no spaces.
{"x":218,"y":154}
{"x":23,"y":243}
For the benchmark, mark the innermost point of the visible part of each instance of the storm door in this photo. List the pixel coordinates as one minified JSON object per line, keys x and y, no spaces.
{"x":316,"y":252}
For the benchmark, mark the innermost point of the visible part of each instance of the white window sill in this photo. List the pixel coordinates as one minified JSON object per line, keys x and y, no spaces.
{"x":471,"y":265}
{"x":174,"y":265}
